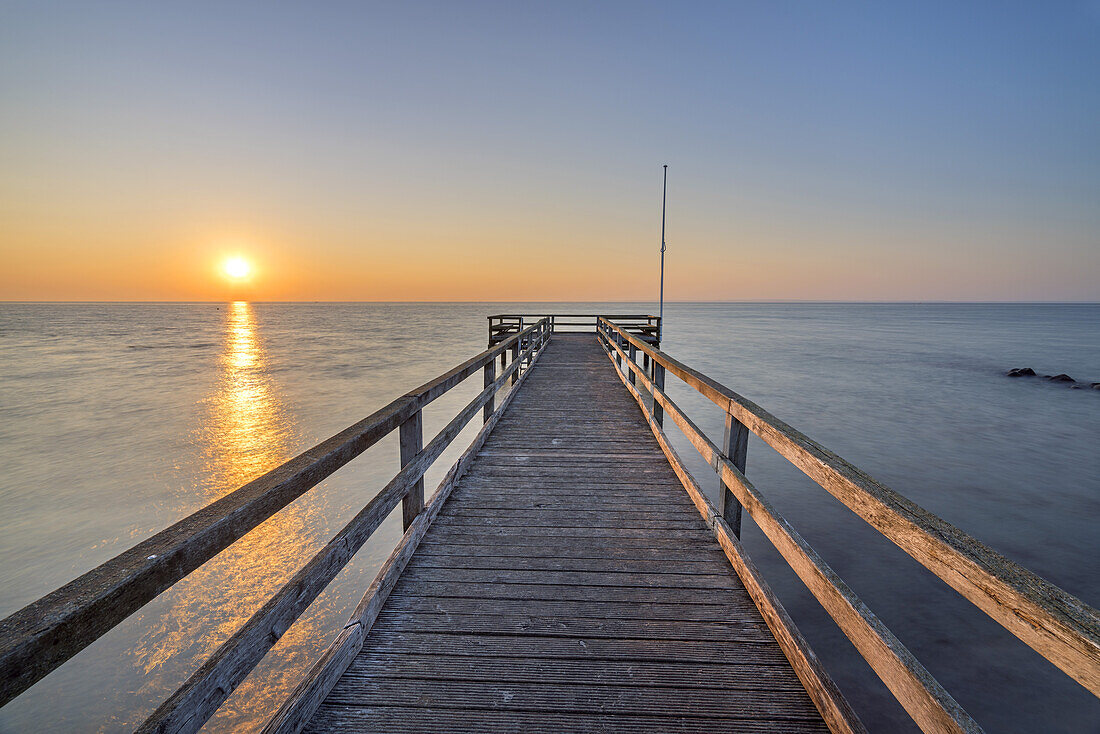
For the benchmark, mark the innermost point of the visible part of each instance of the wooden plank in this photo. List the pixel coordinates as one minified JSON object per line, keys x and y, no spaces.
{"x":592,"y":649}
{"x":670,"y":552}
{"x":599,"y":565}
{"x":399,"y":720}
{"x":729,"y":704}
{"x":730,"y":607}
{"x":572,"y":512}
{"x":564,"y":521}
{"x":511,"y":540}
{"x":577,"y":578}
{"x":586,"y":628}
{"x":576,"y":532}
{"x":572,"y":671}
{"x":564,"y":592}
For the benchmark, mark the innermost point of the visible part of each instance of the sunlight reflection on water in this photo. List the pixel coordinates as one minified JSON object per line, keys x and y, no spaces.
{"x":246,"y":433}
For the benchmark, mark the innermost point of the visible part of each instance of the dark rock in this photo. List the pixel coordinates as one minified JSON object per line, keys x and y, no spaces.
{"x":1096,"y":386}
{"x":1062,"y":378}
{"x":1021,"y":372}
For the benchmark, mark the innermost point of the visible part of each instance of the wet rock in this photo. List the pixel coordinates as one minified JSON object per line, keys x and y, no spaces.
{"x":1062,"y":378}
{"x":1021,"y":372}
{"x":1096,"y":386}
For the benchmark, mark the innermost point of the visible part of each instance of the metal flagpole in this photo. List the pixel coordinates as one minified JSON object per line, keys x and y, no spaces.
{"x":661,"y":313}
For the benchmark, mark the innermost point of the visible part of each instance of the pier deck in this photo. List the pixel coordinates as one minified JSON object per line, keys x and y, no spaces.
{"x":569,"y":584}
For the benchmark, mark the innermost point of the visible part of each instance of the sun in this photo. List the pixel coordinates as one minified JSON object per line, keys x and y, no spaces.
{"x":237,"y":267}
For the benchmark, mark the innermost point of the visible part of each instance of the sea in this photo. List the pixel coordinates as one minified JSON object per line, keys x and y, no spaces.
{"x":118,"y":419}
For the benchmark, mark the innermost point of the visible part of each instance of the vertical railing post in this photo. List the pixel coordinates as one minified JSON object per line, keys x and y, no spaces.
{"x":633,"y":360}
{"x":735,"y":447}
{"x":490,"y":378}
{"x":658,"y":385}
{"x":515,"y":357}
{"x":412,"y":440}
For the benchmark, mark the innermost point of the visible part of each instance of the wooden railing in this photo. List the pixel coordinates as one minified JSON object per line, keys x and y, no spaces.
{"x":43,"y":635}
{"x":1057,"y":625}
{"x":645,"y":327}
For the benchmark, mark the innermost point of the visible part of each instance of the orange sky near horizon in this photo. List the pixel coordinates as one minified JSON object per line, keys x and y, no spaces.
{"x":189,"y":267}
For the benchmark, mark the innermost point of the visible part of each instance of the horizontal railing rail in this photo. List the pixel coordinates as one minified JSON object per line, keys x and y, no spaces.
{"x":1056,"y":624}
{"x":40,"y":637}
{"x":645,"y":326}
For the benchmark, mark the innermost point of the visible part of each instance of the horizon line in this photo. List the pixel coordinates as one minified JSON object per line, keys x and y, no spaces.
{"x":754,"y":301}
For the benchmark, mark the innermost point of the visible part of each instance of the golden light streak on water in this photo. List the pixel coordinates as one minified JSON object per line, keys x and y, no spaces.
{"x":246,"y":432}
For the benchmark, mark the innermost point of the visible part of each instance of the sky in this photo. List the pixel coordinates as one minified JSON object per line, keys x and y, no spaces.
{"x":513,"y":151}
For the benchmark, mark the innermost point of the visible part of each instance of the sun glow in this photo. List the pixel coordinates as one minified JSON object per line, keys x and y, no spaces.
{"x":237,"y":267}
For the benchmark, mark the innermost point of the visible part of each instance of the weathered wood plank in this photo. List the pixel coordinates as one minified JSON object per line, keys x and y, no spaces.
{"x":671,"y":552}
{"x":730,"y":607}
{"x":527,"y":625}
{"x":592,"y":648}
{"x":564,"y":592}
{"x":400,"y":720}
{"x":729,"y":703}
{"x":600,"y":565}
{"x":573,"y":671}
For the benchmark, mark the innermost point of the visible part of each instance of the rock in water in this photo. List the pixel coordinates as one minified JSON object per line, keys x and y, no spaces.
{"x":1062,"y":378}
{"x":1021,"y":372}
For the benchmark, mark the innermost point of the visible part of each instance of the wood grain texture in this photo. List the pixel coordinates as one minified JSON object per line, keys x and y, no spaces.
{"x":1056,"y":624}
{"x":543,"y":593}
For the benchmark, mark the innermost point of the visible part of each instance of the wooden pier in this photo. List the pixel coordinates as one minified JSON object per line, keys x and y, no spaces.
{"x":568,"y":574}
{"x":569,"y":585}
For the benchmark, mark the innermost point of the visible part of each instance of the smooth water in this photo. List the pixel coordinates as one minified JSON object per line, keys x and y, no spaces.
{"x":118,"y":419}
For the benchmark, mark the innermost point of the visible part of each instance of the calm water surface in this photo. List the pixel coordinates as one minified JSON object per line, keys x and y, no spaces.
{"x":118,"y":419}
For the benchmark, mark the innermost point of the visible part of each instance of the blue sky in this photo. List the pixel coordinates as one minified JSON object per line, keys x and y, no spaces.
{"x":824,"y":151}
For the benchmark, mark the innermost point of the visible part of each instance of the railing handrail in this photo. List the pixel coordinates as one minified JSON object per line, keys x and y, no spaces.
{"x":1053,"y":622}
{"x":44,"y":634}
{"x":646,"y":325}
{"x":573,"y":315}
